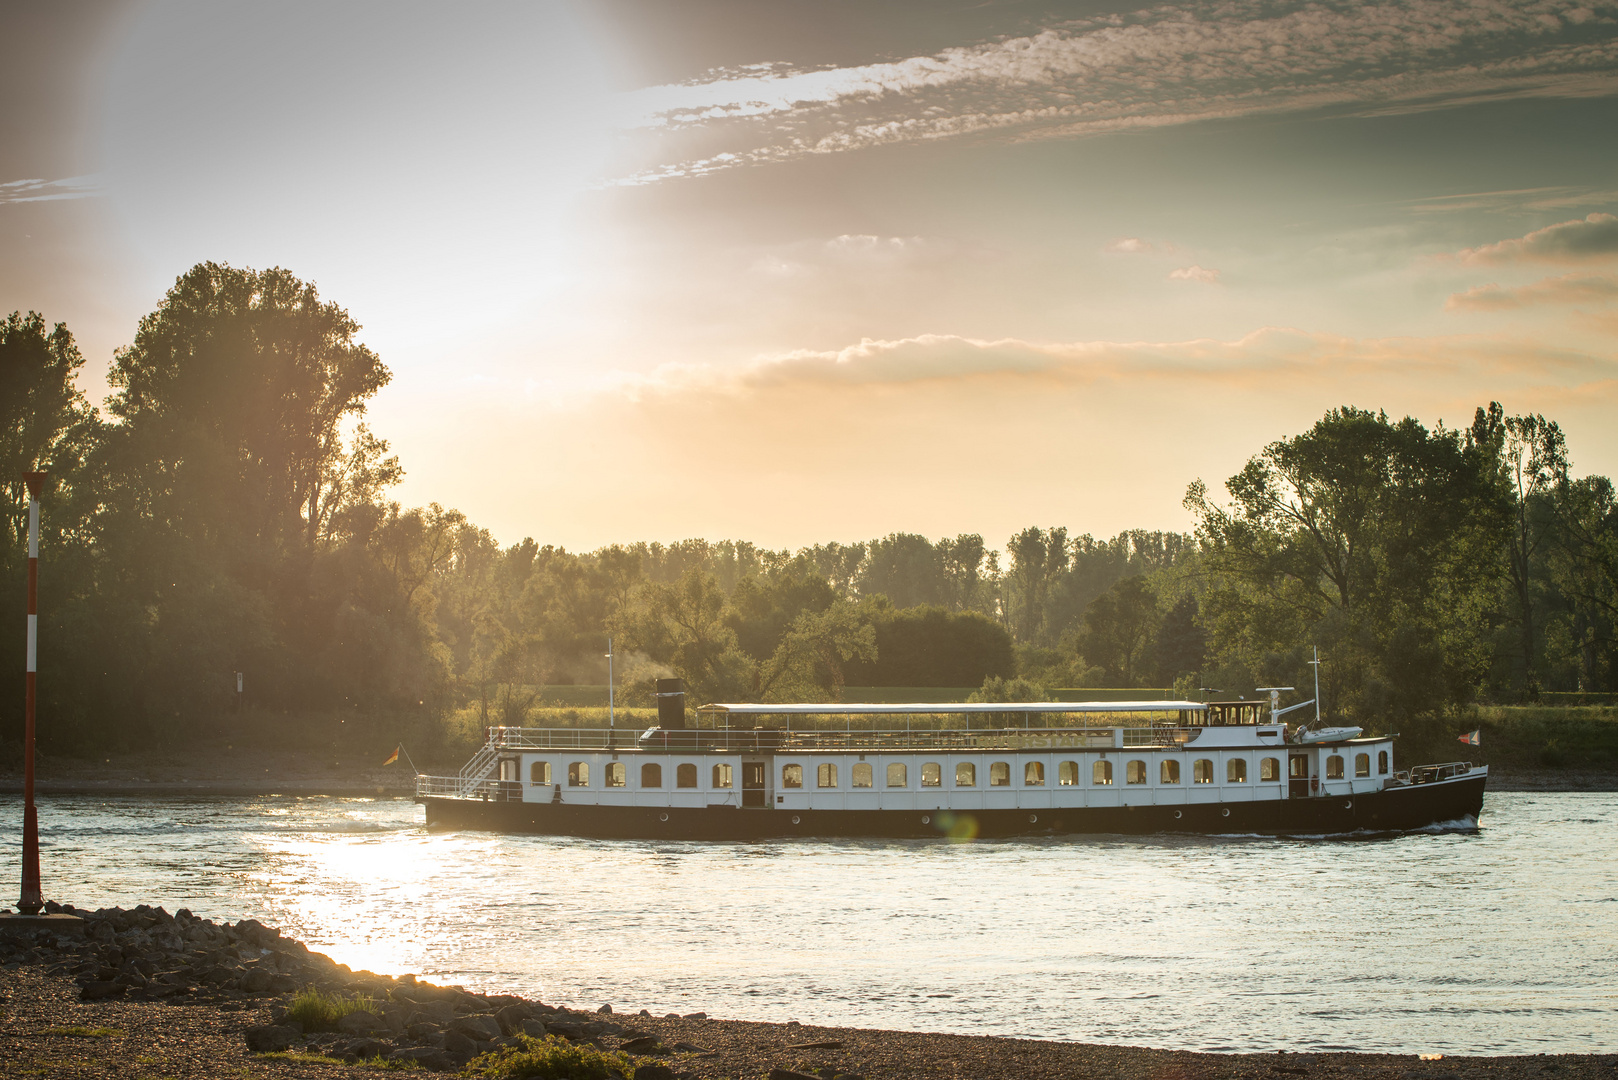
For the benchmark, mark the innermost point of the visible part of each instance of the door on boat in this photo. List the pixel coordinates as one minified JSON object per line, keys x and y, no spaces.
{"x":755,"y":777}
{"x":1298,"y":776}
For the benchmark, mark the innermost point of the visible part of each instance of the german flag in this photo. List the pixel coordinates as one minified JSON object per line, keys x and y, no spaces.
{"x":393,"y":756}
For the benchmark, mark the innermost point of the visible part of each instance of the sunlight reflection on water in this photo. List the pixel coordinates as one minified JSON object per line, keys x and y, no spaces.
{"x":1496,"y":942}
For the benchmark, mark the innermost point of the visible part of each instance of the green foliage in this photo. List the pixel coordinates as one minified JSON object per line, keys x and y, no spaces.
{"x":551,"y":1058}
{"x":931,"y":646}
{"x":319,"y":1011}
{"x":79,"y":1032}
{"x":293,"y":1057}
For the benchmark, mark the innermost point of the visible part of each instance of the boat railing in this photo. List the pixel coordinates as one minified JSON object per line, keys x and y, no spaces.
{"x":1427,"y":774}
{"x":455,"y":787}
{"x":770,"y":740}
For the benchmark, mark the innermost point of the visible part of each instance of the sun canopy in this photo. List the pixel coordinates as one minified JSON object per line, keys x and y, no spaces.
{"x":867,"y":709}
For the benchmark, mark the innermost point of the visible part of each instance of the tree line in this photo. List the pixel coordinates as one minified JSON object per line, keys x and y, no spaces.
{"x":227,"y":509}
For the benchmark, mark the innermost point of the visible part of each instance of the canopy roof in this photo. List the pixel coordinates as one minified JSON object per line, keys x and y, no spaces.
{"x":867,"y":709}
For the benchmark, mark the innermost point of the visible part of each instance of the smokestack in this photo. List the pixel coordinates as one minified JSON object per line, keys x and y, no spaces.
{"x":671,"y":704}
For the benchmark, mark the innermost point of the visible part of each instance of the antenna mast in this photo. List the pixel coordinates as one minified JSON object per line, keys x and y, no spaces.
{"x":1315,"y":663}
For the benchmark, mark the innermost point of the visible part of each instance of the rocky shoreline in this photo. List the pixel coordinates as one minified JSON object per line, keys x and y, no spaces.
{"x":141,"y":992}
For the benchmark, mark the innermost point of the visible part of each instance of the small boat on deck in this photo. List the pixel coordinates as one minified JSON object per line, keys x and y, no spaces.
{"x":750,"y":771}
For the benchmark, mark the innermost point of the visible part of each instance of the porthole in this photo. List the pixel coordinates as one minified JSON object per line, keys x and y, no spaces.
{"x":664,"y":816}
{"x":1032,"y":818}
{"x":795,"y":819}
{"x":1225,"y":812}
{"x":925,"y":820}
{"x":1348,"y":804}
{"x":1176,"y":815}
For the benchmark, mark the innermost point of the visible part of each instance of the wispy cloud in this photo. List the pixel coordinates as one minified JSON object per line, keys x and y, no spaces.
{"x":1580,"y":240}
{"x":72,"y":187}
{"x":1158,"y":66}
{"x":1567,"y":289}
{"x":1130,"y":245}
{"x":1195,"y":273}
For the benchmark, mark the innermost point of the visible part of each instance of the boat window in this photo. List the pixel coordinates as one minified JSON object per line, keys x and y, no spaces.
{"x":686,"y":776}
{"x":1033,"y":774}
{"x":1298,"y":766}
{"x":539,"y":772}
{"x":1202,"y":771}
{"x":826,"y":775}
{"x":1102,"y":773}
{"x":617,"y":775}
{"x":651,"y":775}
{"x":578,"y":774}
{"x":966,"y":774}
{"x":862,"y":775}
{"x":999,"y":774}
{"x":792,"y":776}
{"x":1334,"y":768}
{"x":1236,"y":771}
{"x":1135,"y":773}
{"x":1168,"y":772}
{"x":931,"y":775}
{"x":1382,"y":763}
{"x":1362,"y":764}
{"x":1067,"y":773}
{"x":1269,"y":768}
{"x":721,"y":776}
{"x":898,"y":775}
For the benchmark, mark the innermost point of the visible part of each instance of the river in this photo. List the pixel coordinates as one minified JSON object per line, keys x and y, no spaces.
{"x":1496,"y":941}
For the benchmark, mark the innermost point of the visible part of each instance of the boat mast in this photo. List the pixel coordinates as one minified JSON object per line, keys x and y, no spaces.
{"x":1315,"y":663}
{"x":612,"y":716}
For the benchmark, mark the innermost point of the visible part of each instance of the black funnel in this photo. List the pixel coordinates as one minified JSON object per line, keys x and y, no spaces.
{"x":671,"y":704}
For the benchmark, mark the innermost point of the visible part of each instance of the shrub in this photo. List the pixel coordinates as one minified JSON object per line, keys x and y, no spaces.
{"x":318,"y":1011}
{"x":551,"y":1058}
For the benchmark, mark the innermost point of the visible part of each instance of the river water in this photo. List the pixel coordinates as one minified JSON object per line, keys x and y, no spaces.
{"x":1496,"y":941}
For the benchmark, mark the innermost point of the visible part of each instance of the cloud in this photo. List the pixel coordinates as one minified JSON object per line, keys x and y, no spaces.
{"x":72,"y":187}
{"x":1130,"y":245}
{"x":1579,"y":240}
{"x":1195,"y":273}
{"x":1156,"y":66}
{"x":1567,"y":289}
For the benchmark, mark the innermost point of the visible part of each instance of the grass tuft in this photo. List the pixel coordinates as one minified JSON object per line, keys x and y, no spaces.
{"x":376,"y":1064}
{"x":551,"y":1058}
{"x":318,"y":1011}
{"x":86,"y":1032}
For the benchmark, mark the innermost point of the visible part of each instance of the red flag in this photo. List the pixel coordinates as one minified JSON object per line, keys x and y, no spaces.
{"x":393,"y":756}
{"x":1470,"y":738}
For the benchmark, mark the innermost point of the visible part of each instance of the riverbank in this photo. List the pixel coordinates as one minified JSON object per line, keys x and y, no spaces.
{"x":208,"y":1006}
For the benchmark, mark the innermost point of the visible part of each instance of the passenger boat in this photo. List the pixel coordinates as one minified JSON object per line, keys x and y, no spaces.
{"x":1232,"y":767}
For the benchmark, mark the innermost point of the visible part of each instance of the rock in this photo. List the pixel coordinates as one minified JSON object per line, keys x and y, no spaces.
{"x":695,"y":1016}
{"x":788,"y":1074}
{"x":421,"y":1031}
{"x":657,"y":1072}
{"x":533,"y":1028}
{"x":435,"y":1012}
{"x":256,"y":981}
{"x":461,"y":1045}
{"x":646,"y":1012}
{"x":282,"y":984}
{"x":571,"y":1032}
{"x":368,"y":1048}
{"x":511,"y":1017}
{"x":269,"y":1038}
{"x":605,"y":1009}
{"x":646,"y":1044}
{"x":101,"y":991}
{"x":479,"y":1026}
{"x":360,"y":1023}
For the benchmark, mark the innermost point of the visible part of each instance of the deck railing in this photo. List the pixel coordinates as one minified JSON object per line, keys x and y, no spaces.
{"x":738,"y":740}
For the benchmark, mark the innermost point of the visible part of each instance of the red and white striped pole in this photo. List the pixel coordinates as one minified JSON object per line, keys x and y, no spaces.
{"x":32,"y":900}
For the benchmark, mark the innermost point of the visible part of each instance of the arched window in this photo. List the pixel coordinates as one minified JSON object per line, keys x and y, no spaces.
{"x":1362,"y":764}
{"x":1169,"y":772}
{"x":1236,"y":771}
{"x":539,"y":772}
{"x":1102,"y":773}
{"x":999,"y":774}
{"x":1382,"y":763}
{"x":931,"y":775}
{"x":1269,"y":769}
{"x":1202,"y":771}
{"x":966,"y":774}
{"x":1033,"y":774}
{"x":1334,"y":768}
{"x":862,"y":775}
{"x":721,"y":776}
{"x":617,"y":775}
{"x":791,"y":776}
{"x":578,"y":774}
{"x":826,"y":775}
{"x":686,"y":776}
{"x":651,"y":775}
{"x":898,"y":775}
{"x":1135,"y":773}
{"x":1067,"y":773}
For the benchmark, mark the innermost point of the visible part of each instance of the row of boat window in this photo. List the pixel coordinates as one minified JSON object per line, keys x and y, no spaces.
{"x":966,"y":773}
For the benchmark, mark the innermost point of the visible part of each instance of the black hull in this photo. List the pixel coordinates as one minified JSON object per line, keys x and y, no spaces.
{"x":1394,"y":810}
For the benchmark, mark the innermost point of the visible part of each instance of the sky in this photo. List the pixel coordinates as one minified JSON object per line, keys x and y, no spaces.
{"x":798,"y":272}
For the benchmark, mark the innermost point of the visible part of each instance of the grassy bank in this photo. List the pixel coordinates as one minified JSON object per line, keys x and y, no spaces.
{"x":1522,"y":738}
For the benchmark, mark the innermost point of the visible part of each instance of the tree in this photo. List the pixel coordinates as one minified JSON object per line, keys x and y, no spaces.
{"x":45,"y":424}
{"x":1119,"y":629}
